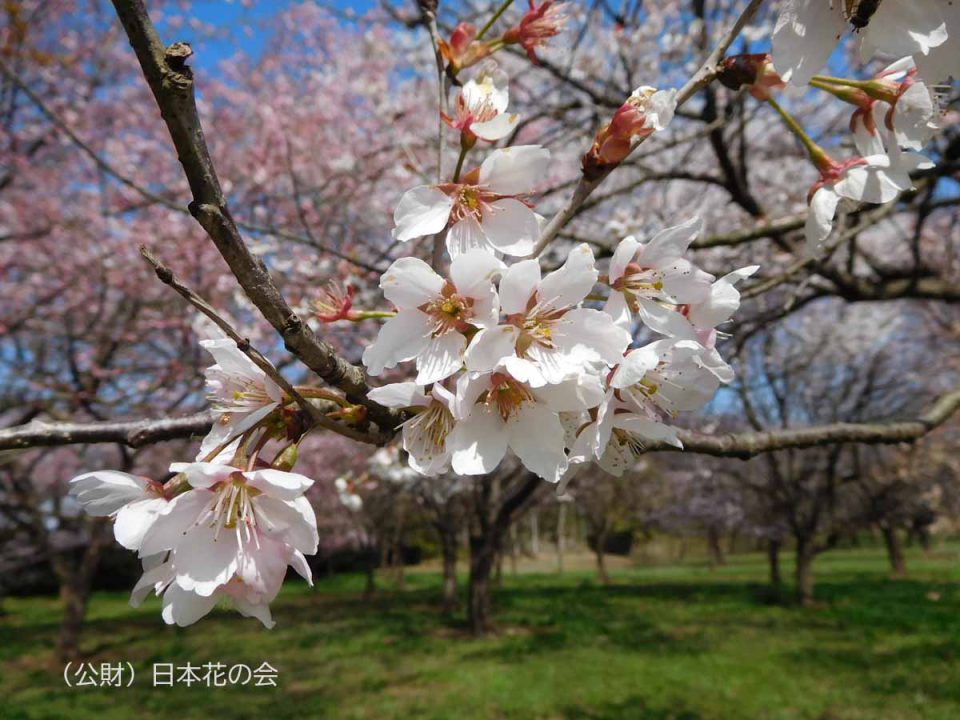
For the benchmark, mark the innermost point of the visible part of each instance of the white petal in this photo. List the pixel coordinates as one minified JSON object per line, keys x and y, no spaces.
{"x":647,"y":429}
{"x":409,"y":282}
{"x":277,"y":483}
{"x":616,"y":307}
{"x":570,"y":283}
{"x":622,"y":257}
{"x":515,"y":170}
{"x":104,"y":492}
{"x":723,"y":302}
{"x":823,"y":206}
{"x":260,"y":611}
{"x":489,"y":347}
{"x":185,"y":608}
{"x":637,"y":363}
{"x":518,"y":285}
{"x":441,"y":358}
{"x":206,"y":559}
{"x":904,"y":27}
{"x":478,"y":443}
{"x":665,"y":321}
{"x":467,"y":236}
{"x":670,"y":243}
{"x":422,"y":210}
{"x":805,"y":35}
{"x":401,"y":338}
{"x":153,"y":579}
{"x":495,"y":128}
{"x":511,"y":227}
{"x":594,"y":333}
{"x":173,"y":522}
{"x":472,"y":273}
{"x":399,"y":395}
{"x":541,"y":451}
{"x":579,"y":393}
{"x":134,"y":520}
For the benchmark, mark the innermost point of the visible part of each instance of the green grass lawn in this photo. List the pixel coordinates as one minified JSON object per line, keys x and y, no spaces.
{"x":680,"y":641}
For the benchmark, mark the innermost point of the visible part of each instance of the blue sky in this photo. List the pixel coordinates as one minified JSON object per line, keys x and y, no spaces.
{"x":233,"y":17}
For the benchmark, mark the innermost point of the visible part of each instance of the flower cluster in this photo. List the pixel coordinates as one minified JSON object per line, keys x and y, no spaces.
{"x":895,"y":115}
{"x":227,"y":525}
{"x":510,"y":358}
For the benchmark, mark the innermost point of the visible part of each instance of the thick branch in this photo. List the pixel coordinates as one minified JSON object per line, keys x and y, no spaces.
{"x":171,"y":82}
{"x":749,"y":444}
{"x":133,"y":434}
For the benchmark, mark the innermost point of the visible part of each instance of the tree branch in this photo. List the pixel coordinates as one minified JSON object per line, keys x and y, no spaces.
{"x":135,"y":433}
{"x":748,"y":444}
{"x":171,"y":82}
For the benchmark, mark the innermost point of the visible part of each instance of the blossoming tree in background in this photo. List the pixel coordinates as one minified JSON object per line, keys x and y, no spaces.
{"x":502,"y":334}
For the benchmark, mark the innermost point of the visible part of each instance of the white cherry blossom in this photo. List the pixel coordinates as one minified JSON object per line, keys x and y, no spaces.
{"x":231,"y":533}
{"x":878,"y":177}
{"x":433,"y":314}
{"x":807,"y":31}
{"x":239,"y":391}
{"x":496,"y":411}
{"x":425,"y":434}
{"x":480,"y":107}
{"x":644,"y":272}
{"x":547,"y":338}
{"x":484,"y":210}
{"x":132,"y":501}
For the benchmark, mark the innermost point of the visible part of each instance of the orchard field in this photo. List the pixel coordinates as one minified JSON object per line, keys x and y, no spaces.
{"x":681,"y":641}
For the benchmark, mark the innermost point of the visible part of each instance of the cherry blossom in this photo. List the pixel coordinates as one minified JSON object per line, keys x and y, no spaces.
{"x":645,"y":112}
{"x":643,"y":272}
{"x":878,"y":177}
{"x":482,"y":211}
{"x":433,"y":314}
{"x":480,"y":108}
{"x":496,"y":411}
{"x":231,"y":534}
{"x":425,"y":434}
{"x":539,"y":24}
{"x":547,"y":339}
{"x":132,"y":501}
{"x":240,"y":392}
{"x":807,"y":31}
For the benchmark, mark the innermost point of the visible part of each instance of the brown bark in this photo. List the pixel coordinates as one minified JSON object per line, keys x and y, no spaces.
{"x":773,"y":558}
{"x":600,"y":545}
{"x":715,"y":547}
{"x":448,"y":549}
{"x":75,"y":587}
{"x":893,"y":543}
{"x":804,"y":571}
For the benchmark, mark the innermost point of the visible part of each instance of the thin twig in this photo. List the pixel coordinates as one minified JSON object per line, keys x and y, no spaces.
{"x":168,"y":277}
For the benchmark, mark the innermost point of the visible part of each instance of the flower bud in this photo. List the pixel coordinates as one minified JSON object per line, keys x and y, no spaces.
{"x":755,"y":71}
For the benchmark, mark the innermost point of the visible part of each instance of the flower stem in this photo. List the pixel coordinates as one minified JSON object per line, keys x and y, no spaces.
{"x":817,"y":154}
{"x":842,"y":82}
{"x":496,"y":16}
{"x":361,"y":315}
{"x":322,"y":394}
{"x":463,"y":154}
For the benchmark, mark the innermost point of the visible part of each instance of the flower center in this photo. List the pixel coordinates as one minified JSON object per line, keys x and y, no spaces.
{"x":450,"y":311}
{"x":427,"y":431}
{"x":506,"y":395}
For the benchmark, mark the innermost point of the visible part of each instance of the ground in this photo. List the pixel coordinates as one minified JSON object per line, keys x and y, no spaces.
{"x":680,"y":642}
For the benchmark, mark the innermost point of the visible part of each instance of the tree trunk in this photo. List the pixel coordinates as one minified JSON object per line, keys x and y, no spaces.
{"x":600,"y":543}
{"x":773,"y":557}
{"x":535,"y":533}
{"x":74,"y":598}
{"x":371,"y":587}
{"x":448,"y":546}
{"x":561,"y":534}
{"x":898,"y":564}
{"x":75,"y":587}
{"x":804,"y":571}
{"x":715,"y":548}
{"x":483,"y":553}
